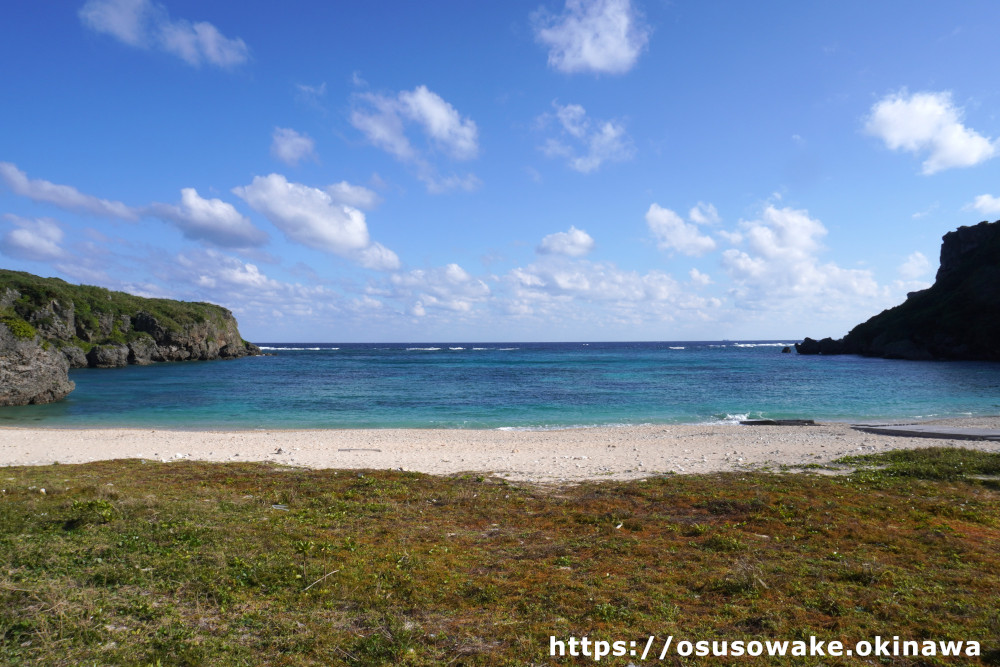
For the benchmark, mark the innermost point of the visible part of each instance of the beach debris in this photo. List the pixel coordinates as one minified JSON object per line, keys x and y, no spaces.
{"x":778,"y":422}
{"x":358,"y":449}
{"x":283,"y":508}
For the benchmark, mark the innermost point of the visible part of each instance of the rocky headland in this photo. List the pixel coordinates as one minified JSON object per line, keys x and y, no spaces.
{"x":48,"y":326}
{"x":958,"y":317}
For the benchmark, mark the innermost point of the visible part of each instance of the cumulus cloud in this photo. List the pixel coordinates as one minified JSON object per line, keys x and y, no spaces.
{"x":915,"y":267}
{"x":211,"y":220}
{"x":310,"y":216}
{"x":63,"y":196}
{"x":672,"y":233}
{"x":930,"y":124}
{"x":600,"y":36}
{"x":451,"y":133}
{"x":384,"y":120}
{"x":449,"y":288}
{"x":147,"y":25}
{"x":559,"y":289}
{"x":35,"y":239}
{"x":245,"y":288}
{"x":574,"y":243}
{"x":357,"y":196}
{"x":781,"y":263}
{"x":586,"y":144}
{"x":291,"y":147}
{"x":985,"y":204}
{"x":699,"y":278}
{"x":593,"y":281}
{"x":704,"y":214}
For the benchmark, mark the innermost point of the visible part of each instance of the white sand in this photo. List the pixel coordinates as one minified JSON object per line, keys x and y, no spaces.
{"x":625,"y":452}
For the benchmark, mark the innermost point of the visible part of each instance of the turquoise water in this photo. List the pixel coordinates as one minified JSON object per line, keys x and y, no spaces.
{"x":516,"y":385}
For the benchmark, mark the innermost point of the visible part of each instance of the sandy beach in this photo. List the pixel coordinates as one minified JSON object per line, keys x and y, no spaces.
{"x":620,"y":452}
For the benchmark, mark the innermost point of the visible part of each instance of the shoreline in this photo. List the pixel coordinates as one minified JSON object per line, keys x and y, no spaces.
{"x":560,"y":456}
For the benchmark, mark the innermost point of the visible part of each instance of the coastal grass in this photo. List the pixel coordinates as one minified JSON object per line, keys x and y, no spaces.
{"x":184,"y":563}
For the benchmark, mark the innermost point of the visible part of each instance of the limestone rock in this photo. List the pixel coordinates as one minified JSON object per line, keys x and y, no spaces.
{"x":31,"y":372}
{"x":108,"y":356}
{"x":115,"y":328}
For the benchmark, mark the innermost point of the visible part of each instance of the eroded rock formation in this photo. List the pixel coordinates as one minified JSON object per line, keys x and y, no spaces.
{"x":958,"y":317}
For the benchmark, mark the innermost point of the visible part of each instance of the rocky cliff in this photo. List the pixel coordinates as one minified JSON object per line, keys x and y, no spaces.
{"x":48,"y":325}
{"x":956,"y":318}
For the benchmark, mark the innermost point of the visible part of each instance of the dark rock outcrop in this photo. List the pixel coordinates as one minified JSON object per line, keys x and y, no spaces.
{"x":49,"y":326}
{"x":956,"y":318}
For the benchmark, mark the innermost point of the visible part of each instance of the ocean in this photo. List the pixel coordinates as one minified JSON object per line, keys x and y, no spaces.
{"x":515,"y":386}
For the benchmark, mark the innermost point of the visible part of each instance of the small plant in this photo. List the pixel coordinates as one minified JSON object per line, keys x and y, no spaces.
{"x":723,"y":543}
{"x":18,"y":327}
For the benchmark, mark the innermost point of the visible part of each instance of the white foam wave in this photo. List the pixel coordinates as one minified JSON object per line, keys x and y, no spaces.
{"x":566,"y":427}
{"x":311,"y":349}
{"x":456,"y":348}
{"x":730,"y":419}
{"x":424,"y":349}
{"x":762,"y":344}
{"x":678,"y":348}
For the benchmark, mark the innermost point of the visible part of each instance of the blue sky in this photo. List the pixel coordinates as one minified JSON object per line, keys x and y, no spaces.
{"x":476,"y":171}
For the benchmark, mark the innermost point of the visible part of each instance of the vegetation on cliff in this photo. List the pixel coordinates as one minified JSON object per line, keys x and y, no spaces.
{"x":90,"y":302}
{"x":83,"y":325}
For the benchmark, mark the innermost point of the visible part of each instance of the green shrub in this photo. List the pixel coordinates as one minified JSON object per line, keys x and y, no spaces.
{"x":21,"y":329}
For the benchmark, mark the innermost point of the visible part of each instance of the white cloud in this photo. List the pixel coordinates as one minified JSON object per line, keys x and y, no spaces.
{"x":672,"y":233}
{"x":382,"y":124}
{"x":704,"y":214}
{"x":63,"y":196}
{"x":384,"y":119}
{"x":699,"y":278}
{"x":915,"y":267}
{"x":456,"y":136}
{"x":782,"y":265}
{"x":124,"y":19}
{"x":357,"y":196}
{"x":311,"y":217}
{"x":929,"y":123}
{"x":985,"y":204}
{"x":37,"y":239}
{"x":311,"y":95}
{"x":600,"y":36}
{"x":595,"y":142}
{"x":559,"y":289}
{"x":574,"y":243}
{"x":211,"y":220}
{"x":377,"y":257}
{"x":291,"y":147}
{"x":449,"y":287}
{"x":145,"y":24}
{"x":242,"y":286}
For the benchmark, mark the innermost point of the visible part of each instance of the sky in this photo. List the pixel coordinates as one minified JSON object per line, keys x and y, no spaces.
{"x":549,"y":170}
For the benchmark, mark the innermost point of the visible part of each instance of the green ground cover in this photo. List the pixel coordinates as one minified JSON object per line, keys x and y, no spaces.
{"x":143,"y":563}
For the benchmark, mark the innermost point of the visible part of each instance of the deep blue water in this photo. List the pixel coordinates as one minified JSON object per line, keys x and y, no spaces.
{"x":516,"y":385}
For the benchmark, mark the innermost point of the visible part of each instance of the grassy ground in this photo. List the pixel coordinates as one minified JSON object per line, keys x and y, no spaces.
{"x":141,"y":563}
